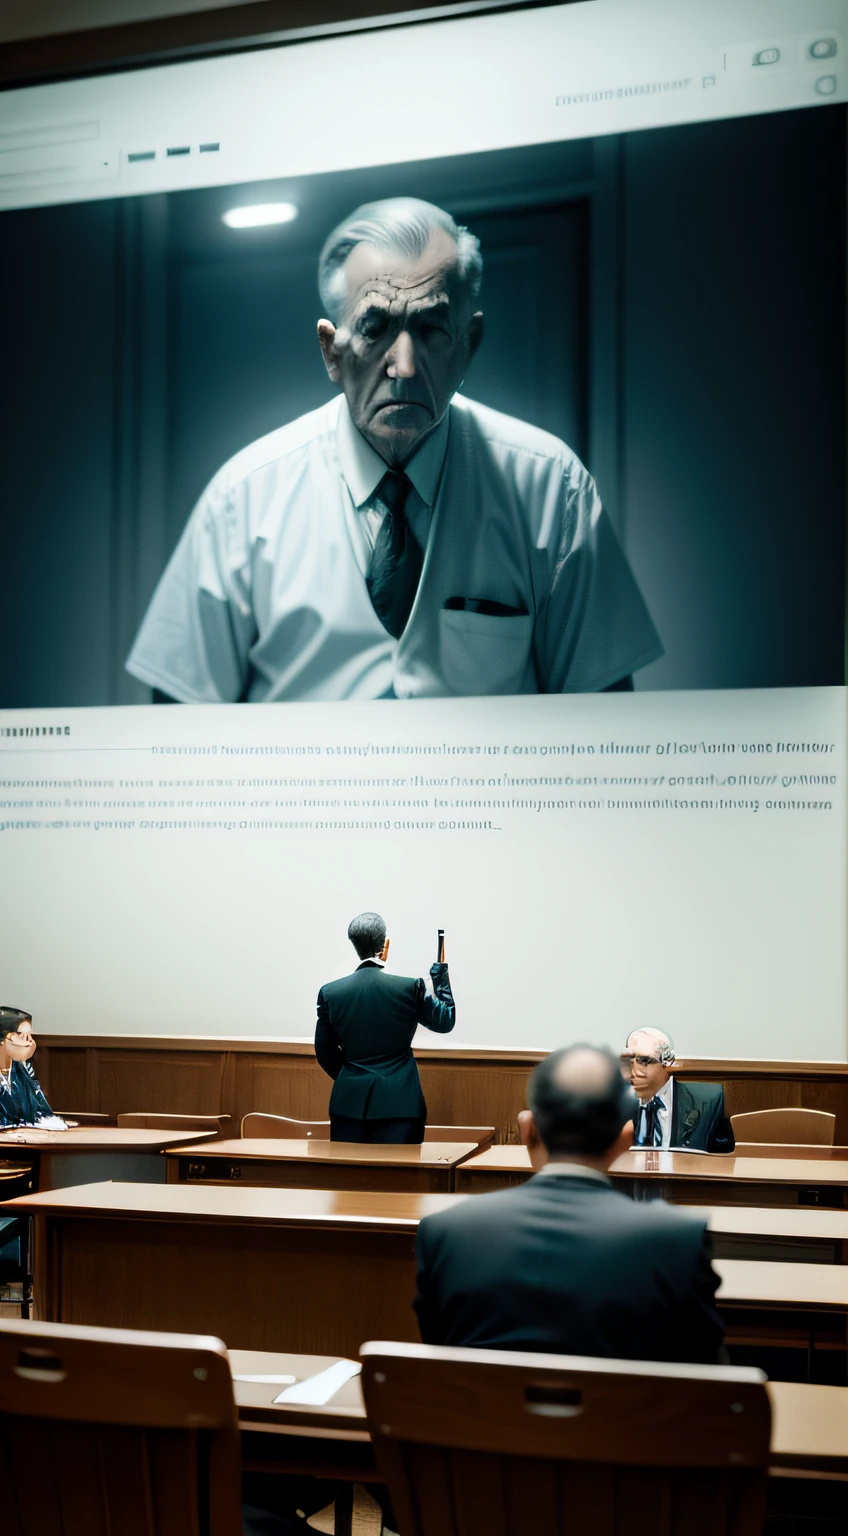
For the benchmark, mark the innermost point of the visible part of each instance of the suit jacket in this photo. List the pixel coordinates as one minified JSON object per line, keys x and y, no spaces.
{"x":698,"y":1119}
{"x":569,"y":1265}
{"x":363,"y":1039}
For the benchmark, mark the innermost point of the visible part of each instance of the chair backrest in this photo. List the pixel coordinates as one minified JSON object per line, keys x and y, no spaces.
{"x":484,"y":1135}
{"x":490,"y":1443}
{"x":256,"y":1124}
{"x":801,"y":1127}
{"x":110,"y":1430}
{"x":152,"y":1120}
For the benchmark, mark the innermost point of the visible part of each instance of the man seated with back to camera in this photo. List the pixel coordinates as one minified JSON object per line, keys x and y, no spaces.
{"x":564,"y":1263}
{"x":671,"y":1113}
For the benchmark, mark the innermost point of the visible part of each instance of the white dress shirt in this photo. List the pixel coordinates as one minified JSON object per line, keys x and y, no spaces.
{"x":265,"y":597}
{"x":665,"y":1113}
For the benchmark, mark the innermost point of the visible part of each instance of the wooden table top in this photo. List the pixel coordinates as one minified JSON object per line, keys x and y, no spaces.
{"x":280,"y":1149}
{"x":373,"y":1209}
{"x":809,"y":1422}
{"x":390,"y":1211}
{"x":758,"y":1283}
{"x":98,"y":1138}
{"x":652,"y":1162}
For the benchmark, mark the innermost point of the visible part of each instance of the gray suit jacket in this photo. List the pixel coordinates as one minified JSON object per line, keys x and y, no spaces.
{"x":569,"y":1265}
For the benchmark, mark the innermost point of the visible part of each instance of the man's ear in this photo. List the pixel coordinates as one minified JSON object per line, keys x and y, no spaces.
{"x":327,"y":341}
{"x":527,"y":1128}
{"x":475,"y":333}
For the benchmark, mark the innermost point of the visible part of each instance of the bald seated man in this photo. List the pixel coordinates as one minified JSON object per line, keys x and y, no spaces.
{"x":671,"y":1113}
{"x":565,"y":1263}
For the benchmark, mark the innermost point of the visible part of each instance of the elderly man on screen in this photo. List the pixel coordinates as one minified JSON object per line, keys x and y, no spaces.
{"x":401,"y":541}
{"x":672,"y":1113}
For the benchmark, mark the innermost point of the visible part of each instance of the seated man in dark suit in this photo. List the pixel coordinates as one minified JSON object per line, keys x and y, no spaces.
{"x":565,"y":1263}
{"x":363,"y":1040}
{"x":672,"y":1113}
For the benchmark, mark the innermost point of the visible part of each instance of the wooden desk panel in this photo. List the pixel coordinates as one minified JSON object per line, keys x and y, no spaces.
{"x":93,"y":1153}
{"x":212,"y":1075}
{"x":293,"y":1164}
{"x":262,"y":1268}
{"x":687,"y":1178}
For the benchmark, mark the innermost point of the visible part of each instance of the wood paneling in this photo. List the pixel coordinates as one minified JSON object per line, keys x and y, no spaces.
{"x":185,"y":1082}
{"x":113,"y":1074}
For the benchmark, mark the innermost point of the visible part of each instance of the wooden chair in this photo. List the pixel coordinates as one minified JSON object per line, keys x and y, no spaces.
{"x":111,"y":1430}
{"x":484,"y":1135}
{"x":256,"y":1124}
{"x":152,"y":1120}
{"x":499,"y":1444}
{"x":799,"y":1127}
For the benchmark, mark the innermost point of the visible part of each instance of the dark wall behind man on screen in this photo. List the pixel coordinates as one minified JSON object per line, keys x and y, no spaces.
{"x":670,"y":303}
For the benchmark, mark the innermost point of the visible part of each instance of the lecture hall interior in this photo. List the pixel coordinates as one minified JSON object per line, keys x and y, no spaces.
{"x":423,"y":1026}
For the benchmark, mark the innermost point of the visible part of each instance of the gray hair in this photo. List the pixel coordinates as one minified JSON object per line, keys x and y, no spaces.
{"x":400,"y":224}
{"x":367,"y":934}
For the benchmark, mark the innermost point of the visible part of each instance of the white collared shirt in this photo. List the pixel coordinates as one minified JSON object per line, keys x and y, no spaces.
{"x":666,"y":1114}
{"x":265,"y":596}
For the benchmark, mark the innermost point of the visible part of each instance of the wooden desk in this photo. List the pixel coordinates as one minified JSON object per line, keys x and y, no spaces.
{"x":316,"y":1271}
{"x":93,"y":1153}
{"x":280,"y":1163}
{"x":689,"y":1178}
{"x":313,"y":1270}
{"x":788,"y":1306}
{"x":809,"y":1423}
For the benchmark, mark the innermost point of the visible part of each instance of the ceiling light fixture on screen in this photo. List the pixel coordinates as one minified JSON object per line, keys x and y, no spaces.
{"x":256,"y":215}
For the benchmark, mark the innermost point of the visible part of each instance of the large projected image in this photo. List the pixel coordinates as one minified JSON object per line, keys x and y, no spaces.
{"x":610,"y":413}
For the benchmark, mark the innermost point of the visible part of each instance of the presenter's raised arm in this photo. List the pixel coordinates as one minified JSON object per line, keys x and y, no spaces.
{"x":328,"y":1052}
{"x":438,"y":1011}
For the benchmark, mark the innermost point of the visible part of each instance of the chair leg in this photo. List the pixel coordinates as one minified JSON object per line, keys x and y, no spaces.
{"x":344,"y":1510}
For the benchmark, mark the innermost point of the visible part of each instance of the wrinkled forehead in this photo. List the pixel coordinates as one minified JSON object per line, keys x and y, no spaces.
{"x":393,"y":280}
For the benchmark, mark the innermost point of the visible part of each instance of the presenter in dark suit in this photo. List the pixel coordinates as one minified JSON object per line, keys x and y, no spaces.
{"x":564,"y":1263}
{"x":672,"y":1113}
{"x":363,"y":1040}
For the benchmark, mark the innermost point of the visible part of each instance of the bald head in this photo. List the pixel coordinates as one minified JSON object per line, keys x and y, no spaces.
{"x":650,"y":1054}
{"x":579,"y":1100}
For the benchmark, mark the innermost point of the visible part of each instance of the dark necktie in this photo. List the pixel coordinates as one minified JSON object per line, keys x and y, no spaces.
{"x":397,"y":559}
{"x":653,"y":1133}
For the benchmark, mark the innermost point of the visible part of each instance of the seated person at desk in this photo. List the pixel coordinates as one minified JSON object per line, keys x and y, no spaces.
{"x":564,"y":1263}
{"x":363,"y":1040}
{"x":22,"y":1101}
{"x":672,"y":1114}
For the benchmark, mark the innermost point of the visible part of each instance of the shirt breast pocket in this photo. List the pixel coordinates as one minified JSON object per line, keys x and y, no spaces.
{"x":482,"y":653}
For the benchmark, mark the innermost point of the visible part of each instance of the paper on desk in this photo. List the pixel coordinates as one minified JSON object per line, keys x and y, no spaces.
{"x":319,"y":1389}
{"x":268,"y":1381}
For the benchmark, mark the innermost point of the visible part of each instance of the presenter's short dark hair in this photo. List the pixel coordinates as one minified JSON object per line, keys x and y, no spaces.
{"x":580,"y":1101}
{"x":367,"y":934}
{"x":11,"y":1020}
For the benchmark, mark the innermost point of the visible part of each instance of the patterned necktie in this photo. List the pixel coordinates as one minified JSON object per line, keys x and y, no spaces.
{"x":397,"y":559}
{"x":653,"y":1133}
